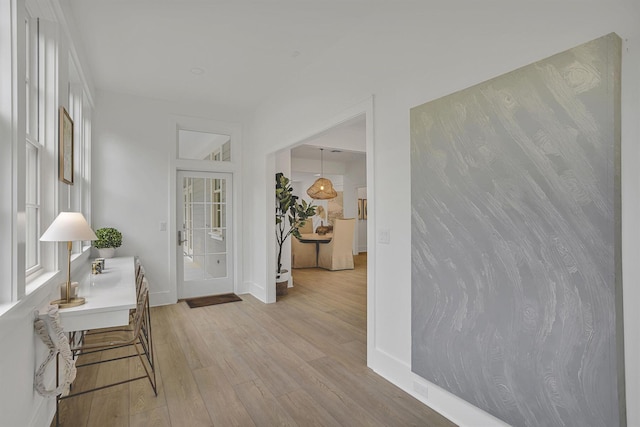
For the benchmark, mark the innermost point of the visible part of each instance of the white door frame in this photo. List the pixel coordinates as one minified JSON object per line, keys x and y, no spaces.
{"x":365,"y":107}
{"x":218,"y":285}
{"x":176,"y":123}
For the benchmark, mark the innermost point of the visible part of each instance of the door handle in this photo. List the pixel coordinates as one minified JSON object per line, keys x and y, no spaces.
{"x":180,"y":240}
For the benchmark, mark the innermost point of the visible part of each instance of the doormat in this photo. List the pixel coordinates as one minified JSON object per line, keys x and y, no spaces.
{"x":212,"y":300}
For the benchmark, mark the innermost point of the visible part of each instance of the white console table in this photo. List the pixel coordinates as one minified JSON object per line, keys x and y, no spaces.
{"x":109,"y":297}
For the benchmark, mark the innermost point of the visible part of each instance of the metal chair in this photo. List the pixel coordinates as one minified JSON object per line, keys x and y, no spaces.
{"x":136,"y":335}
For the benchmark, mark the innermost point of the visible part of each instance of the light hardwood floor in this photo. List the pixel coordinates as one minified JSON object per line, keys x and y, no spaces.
{"x":298,"y":362}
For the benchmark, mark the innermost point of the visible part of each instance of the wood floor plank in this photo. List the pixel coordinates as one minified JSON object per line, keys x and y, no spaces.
{"x":305,"y":411}
{"x":262,"y":405}
{"x":110,"y":409}
{"x":224,"y":406}
{"x":188,"y":337}
{"x":142,"y":397}
{"x":156,"y":417}
{"x":181,"y":392}
{"x":75,"y":411}
{"x":270,"y":373}
{"x":298,"y":362}
{"x":384,"y":413}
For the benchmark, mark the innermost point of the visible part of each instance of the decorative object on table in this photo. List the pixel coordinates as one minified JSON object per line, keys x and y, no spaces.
{"x":324,"y":229}
{"x":364,"y":208}
{"x":74,"y":290}
{"x":335,"y":207}
{"x":360,"y":209}
{"x":65,"y":160}
{"x":68,"y":227}
{"x":108,"y":240}
{"x":322,"y":189}
{"x":290,"y":216}
{"x":96,"y":267}
{"x":101,"y":261}
{"x":319,"y":218}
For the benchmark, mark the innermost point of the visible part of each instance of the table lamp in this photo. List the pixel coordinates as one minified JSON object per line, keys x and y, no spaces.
{"x":68,"y":227}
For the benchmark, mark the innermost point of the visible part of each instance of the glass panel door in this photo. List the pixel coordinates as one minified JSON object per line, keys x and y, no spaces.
{"x":204,"y":234}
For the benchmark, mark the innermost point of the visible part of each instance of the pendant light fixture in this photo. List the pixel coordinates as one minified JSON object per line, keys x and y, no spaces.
{"x":322,"y":189}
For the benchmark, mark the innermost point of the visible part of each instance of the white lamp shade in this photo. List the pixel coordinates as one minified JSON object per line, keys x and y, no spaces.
{"x":69,"y":227}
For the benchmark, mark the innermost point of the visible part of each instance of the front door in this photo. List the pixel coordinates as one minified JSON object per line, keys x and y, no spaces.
{"x":204,"y":226}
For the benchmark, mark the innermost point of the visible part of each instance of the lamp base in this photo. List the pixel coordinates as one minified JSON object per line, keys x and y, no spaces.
{"x":73,"y":302}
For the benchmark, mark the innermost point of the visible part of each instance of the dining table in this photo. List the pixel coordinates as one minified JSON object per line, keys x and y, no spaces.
{"x":317,"y":239}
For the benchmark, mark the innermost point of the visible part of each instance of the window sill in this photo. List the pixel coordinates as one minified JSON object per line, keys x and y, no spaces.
{"x":43,"y":279}
{"x":40,"y":281}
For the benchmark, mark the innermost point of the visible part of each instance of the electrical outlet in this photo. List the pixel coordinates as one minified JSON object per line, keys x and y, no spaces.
{"x":163,"y":226}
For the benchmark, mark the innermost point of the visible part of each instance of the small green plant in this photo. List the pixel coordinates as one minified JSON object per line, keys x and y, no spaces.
{"x":107,"y":238}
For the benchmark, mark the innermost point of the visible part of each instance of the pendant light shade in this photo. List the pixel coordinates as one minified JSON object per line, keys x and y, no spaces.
{"x":322,"y":189}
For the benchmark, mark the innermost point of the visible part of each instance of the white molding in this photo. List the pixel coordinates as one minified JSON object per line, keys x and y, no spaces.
{"x":448,"y":405}
{"x":8,"y":139}
{"x":233,"y":129}
{"x":44,"y":413}
{"x":68,"y":29}
{"x":255,"y":289}
{"x":365,"y":107}
{"x":161,"y":298}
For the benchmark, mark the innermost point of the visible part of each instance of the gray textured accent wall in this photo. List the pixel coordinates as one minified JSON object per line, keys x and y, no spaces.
{"x":516,"y":274}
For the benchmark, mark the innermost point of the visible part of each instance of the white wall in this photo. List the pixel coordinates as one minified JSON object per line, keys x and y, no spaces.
{"x":134,"y":150}
{"x":413,"y":55}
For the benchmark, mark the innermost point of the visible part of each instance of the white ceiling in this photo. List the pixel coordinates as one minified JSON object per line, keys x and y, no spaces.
{"x":343,"y":146}
{"x":343,"y":143}
{"x":243,"y":49}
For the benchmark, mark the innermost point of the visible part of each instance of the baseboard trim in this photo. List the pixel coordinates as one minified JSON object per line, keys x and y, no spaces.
{"x":449,"y":405}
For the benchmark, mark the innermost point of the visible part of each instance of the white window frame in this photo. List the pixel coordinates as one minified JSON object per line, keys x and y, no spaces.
{"x":11,"y":66}
{"x":34,"y":127}
{"x":44,"y":91}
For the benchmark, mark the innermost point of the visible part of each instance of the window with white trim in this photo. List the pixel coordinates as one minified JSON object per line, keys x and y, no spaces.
{"x":33,"y":144}
{"x":30,"y":193}
{"x":80,"y":113}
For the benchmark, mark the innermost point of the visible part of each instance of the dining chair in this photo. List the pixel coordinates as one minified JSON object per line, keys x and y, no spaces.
{"x":303,"y":255}
{"x":136,"y":336}
{"x":338,"y":253}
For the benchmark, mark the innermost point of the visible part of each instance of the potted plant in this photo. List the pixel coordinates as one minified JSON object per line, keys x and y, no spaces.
{"x":290,"y":216}
{"x":108,"y":240}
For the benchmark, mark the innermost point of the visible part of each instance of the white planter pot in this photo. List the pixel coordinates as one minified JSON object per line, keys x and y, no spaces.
{"x":282,"y":282}
{"x":283,"y":276}
{"x":107,"y":252}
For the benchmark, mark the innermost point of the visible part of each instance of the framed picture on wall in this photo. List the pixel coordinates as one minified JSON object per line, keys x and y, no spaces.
{"x":65,"y":160}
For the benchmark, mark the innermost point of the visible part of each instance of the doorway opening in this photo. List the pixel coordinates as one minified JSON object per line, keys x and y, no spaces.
{"x":346,"y":163}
